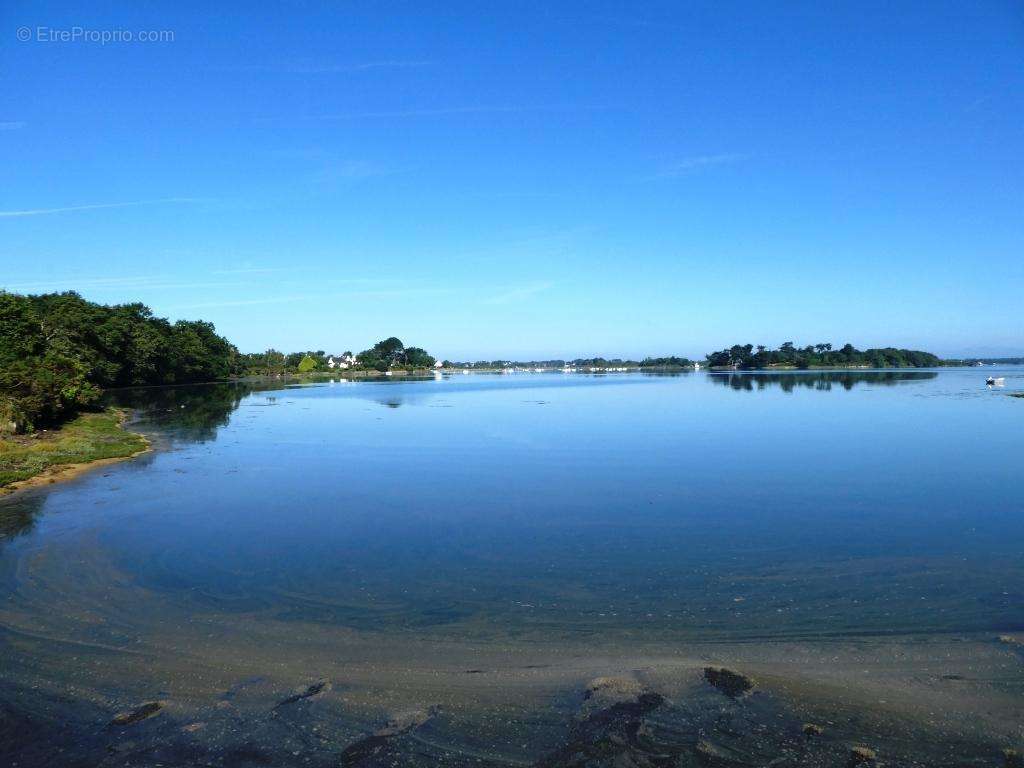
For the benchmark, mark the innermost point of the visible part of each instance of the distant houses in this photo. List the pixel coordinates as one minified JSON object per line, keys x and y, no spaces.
{"x":344,"y":361}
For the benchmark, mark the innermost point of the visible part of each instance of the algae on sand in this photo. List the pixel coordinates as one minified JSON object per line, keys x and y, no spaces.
{"x":87,"y":438}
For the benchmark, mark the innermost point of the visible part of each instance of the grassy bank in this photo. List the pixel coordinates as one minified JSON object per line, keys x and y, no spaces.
{"x":54,"y":454}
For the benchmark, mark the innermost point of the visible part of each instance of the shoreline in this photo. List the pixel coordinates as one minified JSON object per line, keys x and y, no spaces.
{"x":61,"y":473}
{"x":467,"y":696}
{"x":57,"y":471}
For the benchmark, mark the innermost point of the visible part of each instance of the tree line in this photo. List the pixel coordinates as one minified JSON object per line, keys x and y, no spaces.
{"x":579,"y":362}
{"x":749,"y":357}
{"x":987,"y":361}
{"x":385,"y":355}
{"x":59,"y":351}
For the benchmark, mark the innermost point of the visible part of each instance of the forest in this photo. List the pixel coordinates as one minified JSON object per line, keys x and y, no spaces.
{"x":59,"y":351}
{"x":749,"y":357}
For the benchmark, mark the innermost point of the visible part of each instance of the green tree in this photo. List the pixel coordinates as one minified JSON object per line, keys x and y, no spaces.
{"x":416,"y":357}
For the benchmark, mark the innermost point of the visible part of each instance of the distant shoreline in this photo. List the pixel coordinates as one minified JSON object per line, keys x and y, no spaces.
{"x":426,"y":372}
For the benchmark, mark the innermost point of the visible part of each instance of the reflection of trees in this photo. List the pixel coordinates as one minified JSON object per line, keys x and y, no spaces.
{"x":18,"y":515}
{"x":196,"y":412}
{"x":192,"y":413}
{"x":822,"y":381}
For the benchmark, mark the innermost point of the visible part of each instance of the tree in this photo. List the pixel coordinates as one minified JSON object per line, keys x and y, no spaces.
{"x":391,"y":350}
{"x":384,"y":353}
{"x":418,"y":358}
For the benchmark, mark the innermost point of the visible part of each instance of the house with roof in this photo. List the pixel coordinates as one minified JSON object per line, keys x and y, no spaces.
{"x":344,"y":361}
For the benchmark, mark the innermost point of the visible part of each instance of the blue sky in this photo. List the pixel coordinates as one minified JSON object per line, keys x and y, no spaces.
{"x":525,"y":179}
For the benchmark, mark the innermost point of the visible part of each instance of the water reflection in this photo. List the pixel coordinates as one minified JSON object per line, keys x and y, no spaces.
{"x":821,"y":381}
{"x":18,"y":517}
{"x":189,"y":413}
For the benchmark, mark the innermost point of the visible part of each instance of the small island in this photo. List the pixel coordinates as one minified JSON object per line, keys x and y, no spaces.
{"x":747,"y":357}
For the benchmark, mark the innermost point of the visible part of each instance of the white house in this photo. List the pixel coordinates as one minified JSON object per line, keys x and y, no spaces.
{"x":341,"y":363}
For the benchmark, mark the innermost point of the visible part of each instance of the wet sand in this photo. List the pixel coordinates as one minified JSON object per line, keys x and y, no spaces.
{"x":238,"y":692}
{"x":61,"y":473}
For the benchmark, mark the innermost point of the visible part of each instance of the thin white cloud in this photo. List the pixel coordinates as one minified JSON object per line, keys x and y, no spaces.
{"x":246,"y":302}
{"x":515,"y":244}
{"x":398,"y":293}
{"x":437,"y":112}
{"x":94,"y":207}
{"x":189,"y":286}
{"x":110,"y":284}
{"x":254,"y":270}
{"x":349,"y":170}
{"x":690,"y":164}
{"x":301,"y":69}
{"x":313,"y":68}
{"x":11,"y":125}
{"x":519,"y":293}
{"x":89,"y":282}
{"x":446,"y":111}
{"x":374,"y":294}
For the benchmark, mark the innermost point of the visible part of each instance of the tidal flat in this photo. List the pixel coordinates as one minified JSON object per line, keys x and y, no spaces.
{"x":529,"y":570}
{"x":83,"y":443}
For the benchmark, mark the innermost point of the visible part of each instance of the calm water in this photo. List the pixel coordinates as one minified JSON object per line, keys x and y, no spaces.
{"x":532,"y":506}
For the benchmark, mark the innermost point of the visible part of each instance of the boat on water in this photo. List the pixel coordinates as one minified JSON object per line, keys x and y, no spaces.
{"x":995,"y":381}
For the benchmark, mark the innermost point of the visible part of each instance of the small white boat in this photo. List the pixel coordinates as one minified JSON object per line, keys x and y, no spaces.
{"x":995,"y":381}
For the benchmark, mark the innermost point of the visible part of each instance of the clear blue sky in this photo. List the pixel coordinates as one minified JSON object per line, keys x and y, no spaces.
{"x":526,"y":179}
